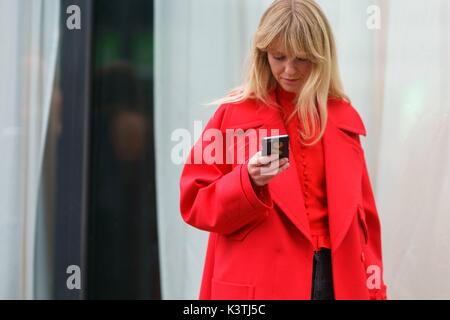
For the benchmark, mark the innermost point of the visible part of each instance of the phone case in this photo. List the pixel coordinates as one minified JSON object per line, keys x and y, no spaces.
{"x":276,"y":144}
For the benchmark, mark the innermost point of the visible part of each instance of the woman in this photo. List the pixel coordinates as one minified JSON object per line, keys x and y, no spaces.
{"x":302,"y":227}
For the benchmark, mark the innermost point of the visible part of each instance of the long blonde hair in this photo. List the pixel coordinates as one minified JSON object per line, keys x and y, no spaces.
{"x":303,"y":28}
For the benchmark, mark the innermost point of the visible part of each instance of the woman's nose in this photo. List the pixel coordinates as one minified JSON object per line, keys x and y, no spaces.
{"x":289,"y":69}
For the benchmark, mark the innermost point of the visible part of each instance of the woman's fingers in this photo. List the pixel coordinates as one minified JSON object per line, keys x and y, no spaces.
{"x":263,"y":168}
{"x":258,"y":160}
{"x":265,"y":160}
{"x":274,"y":168}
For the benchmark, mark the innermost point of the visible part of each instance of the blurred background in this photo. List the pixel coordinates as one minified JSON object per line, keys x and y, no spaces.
{"x":87,"y":117}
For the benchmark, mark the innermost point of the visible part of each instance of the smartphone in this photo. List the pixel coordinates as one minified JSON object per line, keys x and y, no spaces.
{"x":276,"y":144}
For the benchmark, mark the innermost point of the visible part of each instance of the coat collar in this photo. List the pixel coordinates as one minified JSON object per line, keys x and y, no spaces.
{"x":343,"y":157}
{"x":340,"y":111}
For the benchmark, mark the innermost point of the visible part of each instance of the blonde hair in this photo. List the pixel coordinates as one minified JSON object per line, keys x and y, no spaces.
{"x":303,"y":28}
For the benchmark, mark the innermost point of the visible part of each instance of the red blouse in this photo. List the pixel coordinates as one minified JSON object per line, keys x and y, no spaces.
{"x":309,"y":161}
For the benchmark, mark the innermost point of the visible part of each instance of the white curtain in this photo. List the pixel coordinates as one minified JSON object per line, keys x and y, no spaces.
{"x":397,"y":76}
{"x":200,"y":46}
{"x":413,"y":189}
{"x":29,"y":31}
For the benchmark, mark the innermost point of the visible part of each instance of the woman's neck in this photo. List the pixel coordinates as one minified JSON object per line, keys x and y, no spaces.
{"x":285,"y":96}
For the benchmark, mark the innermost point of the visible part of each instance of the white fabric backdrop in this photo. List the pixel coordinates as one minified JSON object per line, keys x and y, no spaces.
{"x":413,"y":189}
{"x":29,"y":31}
{"x":201,"y":46}
{"x":397,"y":78}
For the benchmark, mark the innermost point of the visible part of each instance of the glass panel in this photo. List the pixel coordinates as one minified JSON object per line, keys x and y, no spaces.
{"x":123,"y":245}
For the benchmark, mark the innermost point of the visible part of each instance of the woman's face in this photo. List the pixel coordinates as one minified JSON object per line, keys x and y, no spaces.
{"x":290,"y":72}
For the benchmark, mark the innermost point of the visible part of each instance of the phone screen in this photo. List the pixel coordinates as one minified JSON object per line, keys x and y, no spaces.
{"x":276,"y":144}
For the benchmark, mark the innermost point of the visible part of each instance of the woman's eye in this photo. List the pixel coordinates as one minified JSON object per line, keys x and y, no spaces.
{"x":280,"y":58}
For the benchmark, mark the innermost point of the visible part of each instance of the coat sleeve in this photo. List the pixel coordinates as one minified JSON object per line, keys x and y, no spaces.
{"x":219,"y":197}
{"x":373,"y":252}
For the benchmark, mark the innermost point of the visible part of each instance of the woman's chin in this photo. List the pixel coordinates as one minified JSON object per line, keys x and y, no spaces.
{"x":288,"y":88}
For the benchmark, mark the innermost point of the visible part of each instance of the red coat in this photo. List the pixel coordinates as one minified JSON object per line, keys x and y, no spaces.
{"x":260,"y":244}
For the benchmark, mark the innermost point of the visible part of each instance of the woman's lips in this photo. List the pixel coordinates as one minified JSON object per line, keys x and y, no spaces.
{"x":289,"y":81}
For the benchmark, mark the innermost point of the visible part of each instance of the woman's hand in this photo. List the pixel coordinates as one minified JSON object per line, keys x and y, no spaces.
{"x":262,"y":169}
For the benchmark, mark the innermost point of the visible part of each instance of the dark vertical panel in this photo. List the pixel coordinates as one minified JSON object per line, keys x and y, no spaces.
{"x":72,"y":165}
{"x":123,"y":246}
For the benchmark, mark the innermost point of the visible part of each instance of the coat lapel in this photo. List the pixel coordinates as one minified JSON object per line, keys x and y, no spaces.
{"x":285,"y":188}
{"x":343,"y":170}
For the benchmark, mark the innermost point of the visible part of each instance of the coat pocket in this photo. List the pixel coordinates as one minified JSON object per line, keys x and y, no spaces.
{"x":363,"y":225}
{"x":222,"y":290}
